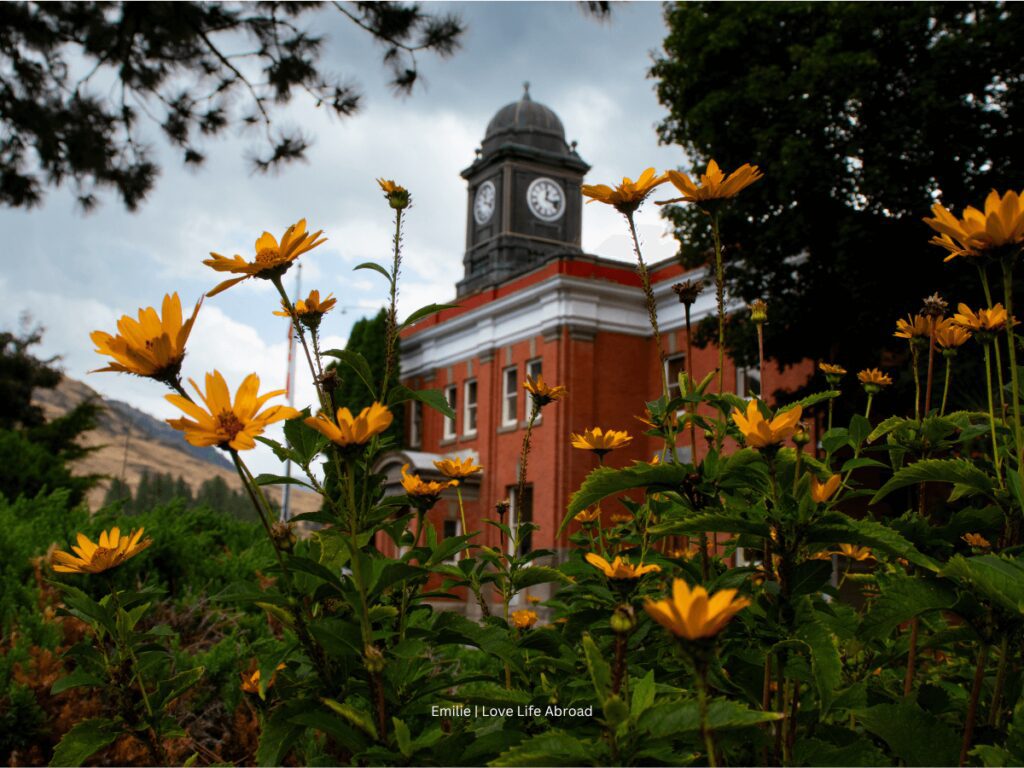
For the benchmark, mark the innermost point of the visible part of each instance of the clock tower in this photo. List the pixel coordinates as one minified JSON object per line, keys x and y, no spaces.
{"x":524,"y":204}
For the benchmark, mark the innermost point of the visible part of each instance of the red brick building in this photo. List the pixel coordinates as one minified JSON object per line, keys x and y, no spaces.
{"x":533,"y":302}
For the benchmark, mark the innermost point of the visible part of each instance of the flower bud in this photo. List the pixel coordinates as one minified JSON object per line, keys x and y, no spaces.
{"x":759,"y":311}
{"x":623,"y":619}
{"x":373,"y":658}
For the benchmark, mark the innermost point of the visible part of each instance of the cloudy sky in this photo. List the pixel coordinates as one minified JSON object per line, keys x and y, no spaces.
{"x":77,"y":272}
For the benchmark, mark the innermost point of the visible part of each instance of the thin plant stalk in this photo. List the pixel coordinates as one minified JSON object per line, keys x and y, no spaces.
{"x":945,"y":386}
{"x":972,"y":706}
{"x":689,"y":370}
{"x":908,"y":678}
{"x":391,"y":336}
{"x":760,"y":358}
{"x":1011,"y":342}
{"x":867,"y":409}
{"x":915,"y":362}
{"x":983,"y":275}
{"x":702,"y":694}
{"x":720,"y":297}
{"x":462,"y":513}
{"x":995,"y":715}
{"x":931,"y":366}
{"x":317,"y":379}
{"x":991,"y":412}
{"x":652,"y":307}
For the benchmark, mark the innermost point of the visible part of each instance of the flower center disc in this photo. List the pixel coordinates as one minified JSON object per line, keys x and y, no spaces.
{"x":229,"y":425}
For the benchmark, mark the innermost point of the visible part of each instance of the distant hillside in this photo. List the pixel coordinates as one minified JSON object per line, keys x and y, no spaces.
{"x":132,"y":442}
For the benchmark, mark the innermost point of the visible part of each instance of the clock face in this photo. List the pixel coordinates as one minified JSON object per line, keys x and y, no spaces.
{"x":546,"y":199}
{"x":483,"y":203}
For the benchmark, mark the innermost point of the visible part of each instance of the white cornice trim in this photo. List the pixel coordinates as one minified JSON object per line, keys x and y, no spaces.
{"x":586,"y":305}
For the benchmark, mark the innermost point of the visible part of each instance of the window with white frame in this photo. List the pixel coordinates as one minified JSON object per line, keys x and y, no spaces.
{"x":469,"y":408}
{"x":415,"y":424}
{"x":674,"y":365}
{"x":451,"y":395}
{"x":748,"y":382}
{"x":510,"y":396}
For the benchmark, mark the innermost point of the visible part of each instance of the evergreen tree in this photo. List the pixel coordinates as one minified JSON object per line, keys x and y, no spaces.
{"x":119,"y":492}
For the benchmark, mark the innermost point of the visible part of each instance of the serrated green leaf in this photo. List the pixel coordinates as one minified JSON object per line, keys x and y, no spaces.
{"x":676,"y":717}
{"x":826,"y":666}
{"x":358,"y":364}
{"x":402,"y":737}
{"x":550,"y":748}
{"x":885,"y":427}
{"x":959,"y":471}
{"x":422,"y":312}
{"x":810,"y":400}
{"x":84,"y":740}
{"x":916,"y":737}
{"x":528,"y":577}
{"x":600,"y":670}
{"x":432,"y":398}
{"x":902,"y":598}
{"x":77,"y":679}
{"x":267,"y":479}
{"x":995,"y":578}
{"x":643,"y":695}
{"x":361,"y":720}
{"x":605,"y":481}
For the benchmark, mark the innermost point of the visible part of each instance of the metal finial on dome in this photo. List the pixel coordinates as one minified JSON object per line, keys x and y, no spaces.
{"x":526,"y":91}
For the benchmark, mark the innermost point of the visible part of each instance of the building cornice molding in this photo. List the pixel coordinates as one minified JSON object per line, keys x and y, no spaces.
{"x":586,"y":306}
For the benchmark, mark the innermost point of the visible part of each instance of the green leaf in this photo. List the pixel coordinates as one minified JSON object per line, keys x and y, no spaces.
{"x":643,"y":695}
{"x":860,"y":463}
{"x":914,"y":736}
{"x":304,"y":441}
{"x":860,"y":428}
{"x":605,"y":481}
{"x":278,"y":736}
{"x":674,"y":717}
{"x":361,"y":720}
{"x":902,"y":598}
{"x":861,"y":753}
{"x":432,"y":398}
{"x":403,"y":737}
{"x":357,"y":363}
{"x":265,"y":479}
{"x":422,"y":312}
{"x":600,"y":671}
{"x":553,"y":747}
{"x":170,"y":689}
{"x":838,"y":528}
{"x":810,"y":400}
{"x":998,"y":579}
{"x":885,"y":427}
{"x":528,"y":577}
{"x":826,"y":665}
{"x":375,"y":267}
{"x":84,"y":740}
{"x":958,"y":471}
{"x":76,"y":679}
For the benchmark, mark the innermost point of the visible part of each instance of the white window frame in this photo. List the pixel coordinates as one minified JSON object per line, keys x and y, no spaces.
{"x":509,"y":394}
{"x":673,"y":384}
{"x":742,"y":373}
{"x":451,"y":393}
{"x":458,"y":532}
{"x":469,"y":407}
{"x":415,"y":424}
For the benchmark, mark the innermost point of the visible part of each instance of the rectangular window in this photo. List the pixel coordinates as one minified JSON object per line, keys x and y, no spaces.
{"x":510,"y":397}
{"x":518,"y":516}
{"x":415,"y":424}
{"x":674,"y":365}
{"x":450,"y":394}
{"x":469,"y":408}
{"x":748,"y":382}
{"x":451,"y":529}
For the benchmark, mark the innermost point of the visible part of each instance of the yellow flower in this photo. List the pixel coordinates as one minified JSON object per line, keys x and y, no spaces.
{"x":601,"y":442}
{"x":272,"y":258}
{"x":309,"y":308}
{"x":759,"y":311}
{"x":913,"y":327}
{"x":619,"y":568}
{"x":533,"y":600}
{"x":874,"y":379}
{"x":853,"y":552}
{"x":524,"y":619}
{"x":822,"y":492}
{"x":620,"y":517}
{"x":152,"y":346}
{"x":223,"y":423}
{"x":983,"y":321}
{"x":251,"y":682}
{"x":427,"y":490}
{"x":977,"y":540}
{"x":587,"y":516}
{"x":457,"y":468}
{"x":112,"y":550}
{"x":760,"y":433}
{"x":627,"y":196}
{"x":542,"y":393}
{"x":348,"y":430}
{"x":693,"y":614}
{"x":831,"y":370}
{"x":714,"y":185}
{"x":1001,"y":224}
{"x":949,"y":335}
{"x":396,"y":195}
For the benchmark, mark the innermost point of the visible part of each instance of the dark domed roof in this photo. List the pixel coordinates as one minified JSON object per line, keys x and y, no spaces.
{"x":526,"y":122}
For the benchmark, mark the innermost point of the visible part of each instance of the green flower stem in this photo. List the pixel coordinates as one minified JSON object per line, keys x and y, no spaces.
{"x":720,"y":296}
{"x":830,"y":403}
{"x":995,"y":715}
{"x":945,"y":386}
{"x":972,"y":706}
{"x":915,"y":362}
{"x":652,"y":307}
{"x":392,"y":317}
{"x":931,"y":366}
{"x":702,"y":699}
{"x":983,"y":274}
{"x":867,"y":410}
{"x":462,"y":512}
{"x":1011,"y":341}
{"x":991,"y":412}
{"x":325,"y":402}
